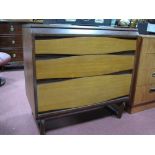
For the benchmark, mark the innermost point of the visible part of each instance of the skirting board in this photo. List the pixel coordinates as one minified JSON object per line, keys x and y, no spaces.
{"x":141,"y":107}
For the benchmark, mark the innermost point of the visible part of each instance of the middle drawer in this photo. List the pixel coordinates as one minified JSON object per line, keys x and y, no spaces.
{"x":147,"y":61}
{"x":82,"y":66}
{"x":11,"y":41}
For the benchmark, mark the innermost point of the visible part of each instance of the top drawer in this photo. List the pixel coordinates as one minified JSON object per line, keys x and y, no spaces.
{"x":83,"y":45}
{"x":9,"y":28}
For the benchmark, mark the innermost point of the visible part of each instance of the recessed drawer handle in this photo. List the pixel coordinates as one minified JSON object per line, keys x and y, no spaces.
{"x":153,"y":74}
{"x":152,"y":90}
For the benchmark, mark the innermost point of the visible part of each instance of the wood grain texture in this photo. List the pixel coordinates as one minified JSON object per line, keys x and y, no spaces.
{"x":148,"y":45}
{"x":142,"y":107}
{"x":82,"y":91}
{"x":81,"y":66}
{"x":84,"y":45}
{"x":143,"y":94}
{"x":145,"y":77}
{"x":147,"y":61}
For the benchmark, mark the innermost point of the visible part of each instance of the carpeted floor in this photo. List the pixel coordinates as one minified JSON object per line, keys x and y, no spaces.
{"x":16,"y":118}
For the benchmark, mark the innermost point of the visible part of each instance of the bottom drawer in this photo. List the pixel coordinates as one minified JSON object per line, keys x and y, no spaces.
{"x":81,"y":91}
{"x":16,"y":55}
{"x":144,"y":94}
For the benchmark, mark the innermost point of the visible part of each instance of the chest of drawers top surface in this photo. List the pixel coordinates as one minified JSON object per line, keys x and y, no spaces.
{"x":60,"y":29}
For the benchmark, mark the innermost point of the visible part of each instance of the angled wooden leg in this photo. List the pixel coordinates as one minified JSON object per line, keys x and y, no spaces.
{"x":121,"y":110}
{"x":2,"y":81}
{"x":41,"y":125}
{"x":117,"y":109}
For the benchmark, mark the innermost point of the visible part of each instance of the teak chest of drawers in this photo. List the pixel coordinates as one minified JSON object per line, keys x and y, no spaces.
{"x":73,"y":69}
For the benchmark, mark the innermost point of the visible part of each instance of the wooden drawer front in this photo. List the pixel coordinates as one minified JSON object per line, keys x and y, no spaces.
{"x":10,"y":28}
{"x":82,"y":91}
{"x":147,"y":61}
{"x":148,"y":45}
{"x":144,"y":94}
{"x":11,"y":41}
{"x":146,"y":77}
{"x":83,"y":45}
{"x":81,"y":66}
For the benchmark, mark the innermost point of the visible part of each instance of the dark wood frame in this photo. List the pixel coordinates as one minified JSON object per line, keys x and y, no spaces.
{"x":30,"y":31}
{"x":134,"y":75}
{"x":117,"y":106}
